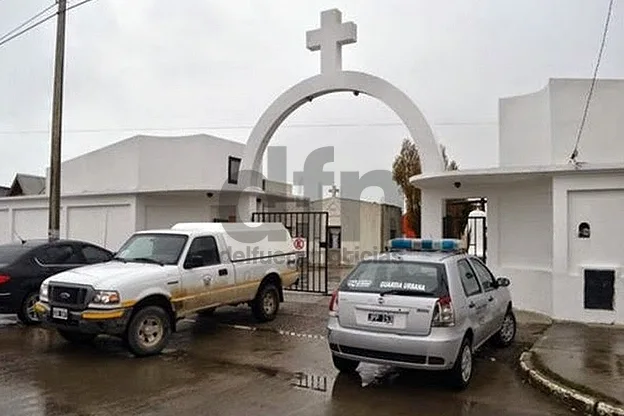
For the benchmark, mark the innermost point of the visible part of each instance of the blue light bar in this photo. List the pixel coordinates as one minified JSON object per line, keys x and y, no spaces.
{"x":419,"y":244}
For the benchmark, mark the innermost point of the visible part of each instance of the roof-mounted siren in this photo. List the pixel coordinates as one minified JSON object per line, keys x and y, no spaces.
{"x":420,"y":244}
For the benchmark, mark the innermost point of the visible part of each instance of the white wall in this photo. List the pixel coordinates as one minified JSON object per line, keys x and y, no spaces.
{"x":602,"y":135}
{"x":163,"y":211}
{"x":541,"y":128}
{"x":596,"y":199}
{"x":524,"y":129}
{"x":107,"y":220}
{"x":109,"y":169}
{"x":519,"y":236}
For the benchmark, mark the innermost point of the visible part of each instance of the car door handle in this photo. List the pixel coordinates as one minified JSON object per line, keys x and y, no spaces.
{"x":471,"y":305}
{"x":223,"y":272}
{"x":490,"y":299}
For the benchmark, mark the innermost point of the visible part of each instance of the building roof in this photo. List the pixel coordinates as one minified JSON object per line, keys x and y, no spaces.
{"x":506,"y":175}
{"x":27,"y":185}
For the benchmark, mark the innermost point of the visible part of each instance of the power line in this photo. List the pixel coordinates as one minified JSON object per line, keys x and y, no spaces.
{"x":41,"y":13}
{"x":593,"y":83}
{"x":244,"y":127}
{"x":27,"y":29}
{"x":6,"y":39}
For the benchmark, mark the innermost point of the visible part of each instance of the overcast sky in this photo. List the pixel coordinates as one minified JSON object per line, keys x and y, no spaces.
{"x":189,"y":66}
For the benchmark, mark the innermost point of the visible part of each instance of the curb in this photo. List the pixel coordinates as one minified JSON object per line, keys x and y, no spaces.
{"x":588,"y":404}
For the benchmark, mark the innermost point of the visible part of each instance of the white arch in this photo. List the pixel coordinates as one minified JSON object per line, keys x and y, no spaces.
{"x":319,"y":85}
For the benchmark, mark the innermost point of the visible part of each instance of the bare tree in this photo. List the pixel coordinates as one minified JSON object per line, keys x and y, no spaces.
{"x":407,"y":164}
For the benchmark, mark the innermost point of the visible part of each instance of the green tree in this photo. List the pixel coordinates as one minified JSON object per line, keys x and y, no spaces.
{"x":407,"y":164}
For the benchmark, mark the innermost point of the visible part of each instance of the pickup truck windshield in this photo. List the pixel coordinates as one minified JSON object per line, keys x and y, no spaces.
{"x":153,"y":248}
{"x":401,"y":277}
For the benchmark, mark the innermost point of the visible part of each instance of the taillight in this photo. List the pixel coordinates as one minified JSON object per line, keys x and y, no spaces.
{"x":4,"y":278}
{"x":443,"y":314}
{"x":333,"y":304}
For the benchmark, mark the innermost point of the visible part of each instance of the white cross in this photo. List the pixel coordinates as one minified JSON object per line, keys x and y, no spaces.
{"x":330,"y":38}
{"x":333,"y":190}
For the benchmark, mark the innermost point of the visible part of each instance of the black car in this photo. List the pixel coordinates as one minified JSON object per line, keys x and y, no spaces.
{"x":24,"y":266}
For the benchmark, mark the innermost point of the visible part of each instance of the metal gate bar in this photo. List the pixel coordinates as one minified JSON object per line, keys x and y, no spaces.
{"x":312,"y":226}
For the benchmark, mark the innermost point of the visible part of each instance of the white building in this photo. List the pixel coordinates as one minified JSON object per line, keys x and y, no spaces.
{"x":357,"y":228}
{"x":554,"y":228}
{"x":139,"y":183}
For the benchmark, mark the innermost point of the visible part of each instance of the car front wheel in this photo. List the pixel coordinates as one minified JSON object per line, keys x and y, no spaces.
{"x":148,"y":331}
{"x":27,"y":313}
{"x":507,"y":333}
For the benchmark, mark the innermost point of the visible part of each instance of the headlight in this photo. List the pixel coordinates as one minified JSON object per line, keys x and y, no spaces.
{"x":43,"y":292}
{"x":106,"y":297}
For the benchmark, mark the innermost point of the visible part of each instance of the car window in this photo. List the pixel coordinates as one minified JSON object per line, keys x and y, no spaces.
{"x":376,"y":276}
{"x":95,"y":255}
{"x":206,"y":248}
{"x":59,"y":255}
{"x":164,"y":248}
{"x":483,"y":273}
{"x":468,"y":278}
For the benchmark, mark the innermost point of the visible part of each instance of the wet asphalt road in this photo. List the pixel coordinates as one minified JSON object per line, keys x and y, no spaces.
{"x":212,"y":369}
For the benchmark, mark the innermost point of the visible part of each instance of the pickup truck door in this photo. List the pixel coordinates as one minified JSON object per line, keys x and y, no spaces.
{"x":206,"y":281}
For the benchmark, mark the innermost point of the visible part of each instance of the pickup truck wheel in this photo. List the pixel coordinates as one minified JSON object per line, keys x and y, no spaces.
{"x":76,"y":337}
{"x":148,"y":332}
{"x":26,"y":312}
{"x":266,"y":304}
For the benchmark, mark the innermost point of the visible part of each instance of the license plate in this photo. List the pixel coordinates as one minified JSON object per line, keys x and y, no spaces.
{"x":381,"y":318}
{"x":59,"y":313}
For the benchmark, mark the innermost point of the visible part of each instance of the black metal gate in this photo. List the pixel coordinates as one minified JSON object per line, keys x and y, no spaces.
{"x":311,"y":226}
{"x":472,"y":229}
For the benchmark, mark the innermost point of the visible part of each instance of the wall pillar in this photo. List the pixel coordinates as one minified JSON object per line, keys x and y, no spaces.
{"x":432,"y":211}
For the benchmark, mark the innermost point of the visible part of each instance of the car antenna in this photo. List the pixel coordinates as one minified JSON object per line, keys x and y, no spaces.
{"x":18,"y":237}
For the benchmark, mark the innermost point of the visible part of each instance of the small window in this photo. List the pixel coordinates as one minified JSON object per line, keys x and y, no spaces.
{"x":233,"y":169}
{"x":334,"y":237}
{"x":206,"y":248}
{"x":95,"y":255}
{"x":483,"y":273}
{"x":584,"y":230}
{"x":468,"y":278}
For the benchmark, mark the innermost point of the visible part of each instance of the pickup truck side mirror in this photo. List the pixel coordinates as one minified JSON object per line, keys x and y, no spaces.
{"x":194,"y":261}
{"x":502,"y":282}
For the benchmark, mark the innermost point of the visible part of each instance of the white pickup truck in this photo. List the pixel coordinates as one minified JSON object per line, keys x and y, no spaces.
{"x":161,"y":276}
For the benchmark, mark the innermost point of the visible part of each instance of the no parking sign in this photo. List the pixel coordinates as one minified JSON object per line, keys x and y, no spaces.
{"x":299,"y":244}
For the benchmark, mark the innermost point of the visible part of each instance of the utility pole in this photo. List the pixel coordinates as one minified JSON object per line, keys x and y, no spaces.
{"x":54,"y":210}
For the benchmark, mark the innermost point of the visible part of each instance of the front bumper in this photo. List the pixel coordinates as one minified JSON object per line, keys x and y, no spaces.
{"x":437,"y":351}
{"x":90,"y":321}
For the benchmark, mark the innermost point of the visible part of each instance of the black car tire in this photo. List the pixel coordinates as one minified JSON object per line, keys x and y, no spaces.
{"x":23,"y":313}
{"x":266,"y":304}
{"x":76,"y":337}
{"x":156,"y":321}
{"x":457,"y":378}
{"x":345,"y":365}
{"x":506,"y":335}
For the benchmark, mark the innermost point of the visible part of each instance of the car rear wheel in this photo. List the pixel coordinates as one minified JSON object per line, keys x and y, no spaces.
{"x":27,"y":313}
{"x":76,"y":337}
{"x":506,"y":335}
{"x":266,"y":304}
{"x":461,"y":373}
{"x":345,"y":365}
{"x":148,"y":331}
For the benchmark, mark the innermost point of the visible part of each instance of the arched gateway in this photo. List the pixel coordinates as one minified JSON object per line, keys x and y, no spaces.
{"x":329,"y":40}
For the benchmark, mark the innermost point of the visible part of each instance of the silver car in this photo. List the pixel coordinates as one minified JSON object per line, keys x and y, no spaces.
{"x":421,"y":309}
